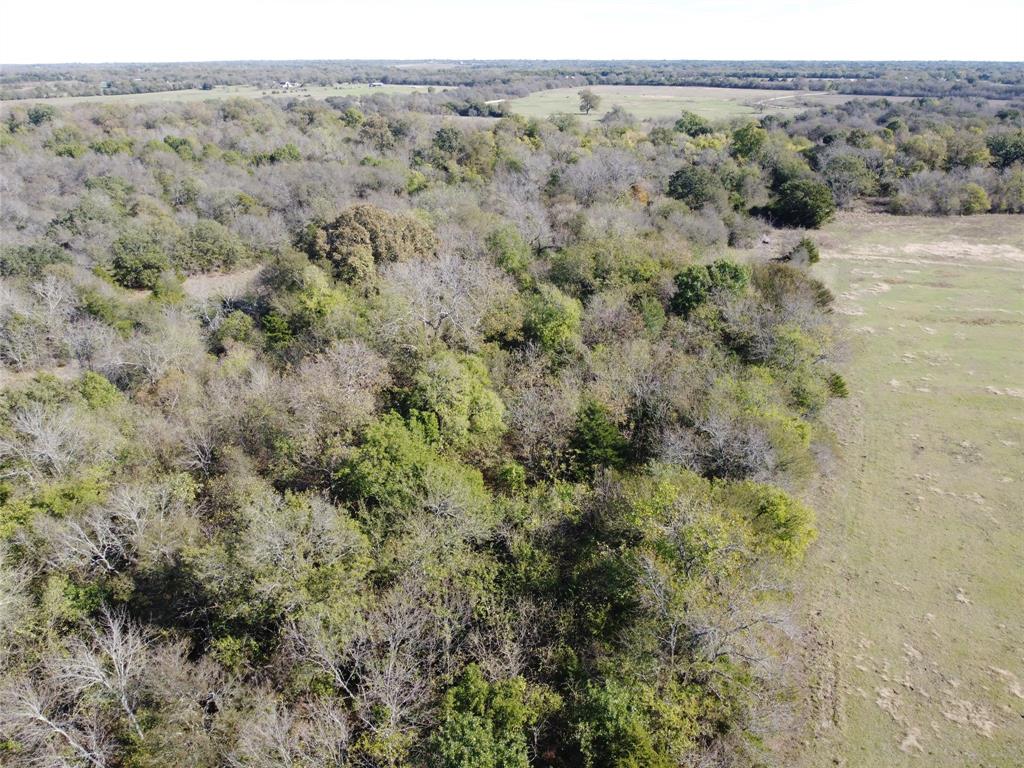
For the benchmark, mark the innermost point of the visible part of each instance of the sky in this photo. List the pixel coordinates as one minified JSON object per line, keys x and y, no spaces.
{"x":52,"y":31}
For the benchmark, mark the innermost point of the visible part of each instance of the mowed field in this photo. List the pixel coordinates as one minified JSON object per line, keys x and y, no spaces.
{"x":915,"y":589}
{"x":665,"y":101}
{"x":226,"y":92}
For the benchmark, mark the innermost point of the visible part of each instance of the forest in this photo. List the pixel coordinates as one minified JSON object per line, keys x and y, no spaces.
{"x":382,"y":432}
{"x":984,"y":80}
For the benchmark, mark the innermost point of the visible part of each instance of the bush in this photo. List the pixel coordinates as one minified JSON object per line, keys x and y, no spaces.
{"x":975,"y":200}
{"x":804,"y":252}
{"x":484,"y":725}
{"x":457,"y":390}
{"x":803,"y":203}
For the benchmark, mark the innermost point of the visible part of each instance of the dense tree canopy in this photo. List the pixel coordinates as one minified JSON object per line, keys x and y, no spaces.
{"x":361,"y":434}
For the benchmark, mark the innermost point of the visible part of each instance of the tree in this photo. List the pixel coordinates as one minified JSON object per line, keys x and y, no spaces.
{"x":697,"y":283}
{"x":138,"y":261}
{"x":695,"y":185}
{"x":589,"y":101}
{"x":748,"y":141}
{"x":693,"y":124}
{"x":596,"y":441}
{"x":553,"y":319}
{"x":803,"y":203}
{"x":365,"y":236}
{"x":484,"y":725}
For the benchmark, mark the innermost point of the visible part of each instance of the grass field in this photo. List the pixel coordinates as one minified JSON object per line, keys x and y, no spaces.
{"x":915,"y":588}
{"x":225,"y":92}
{"x":664,"y":101}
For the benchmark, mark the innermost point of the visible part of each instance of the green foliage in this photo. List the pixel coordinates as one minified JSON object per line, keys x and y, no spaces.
{"x":137,"y":260}
{"x":748,"y":141}
{"x":614,"y":731}
{"x":553,"y":319}
{"x":66,"y":142}
{"x":803,"y":203}
{"x":693,"y":124}
{"x":698,"y":282}
{"x":589,"y":101}
{"x":397,"y":467}
{"x":509,"y":250}
{"x":289,"y":153}
{"x":41,"y":113}
{"x":236,"y":328}
{"x":457,"y":390}
{"x":98,"y":391}
{"x":596,"y":441}
{"x":695,"y":185}
{"x":1007,"y":148}
{"x":804,"y":252}
{"x":111,"y":146}
{"x":975,"y":200}
{"x":30,"y":260}
{"x":208,"y":245}
{"x":484,"y":725}
{"x":781,"y":523}
{"x":837,"y":385}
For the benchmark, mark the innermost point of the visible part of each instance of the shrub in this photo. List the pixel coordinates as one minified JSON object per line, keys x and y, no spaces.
{"x":975,"y":200}
{"x":837,"y":385}
{"x":208,"y":245}
{"x":484,"y":725}
{"x":457,"y":390}
{"x":804,"y":252}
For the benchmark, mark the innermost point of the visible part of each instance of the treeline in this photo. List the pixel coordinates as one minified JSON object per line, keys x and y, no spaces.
{"x":348,"y":435}
{"x":990,"y":80}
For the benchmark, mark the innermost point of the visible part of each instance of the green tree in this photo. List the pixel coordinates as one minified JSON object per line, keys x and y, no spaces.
{"x":596,"y":441}
{"x":748,"y":141}
{"x":484,"y":725}
{"x":457,"y":390}
{"x":693,"y":124}
{"x":803,"y":203}
{"x":552,"y":318}
{"x":975,"y":200}
{"x":41,"y":113}
{"x":695,"y":185}
{"x":137,"y":260}
{"x":589,"y":101}
{"x":696,"y":283}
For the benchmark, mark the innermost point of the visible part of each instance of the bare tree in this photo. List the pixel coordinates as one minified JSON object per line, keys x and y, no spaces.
{"x":449,"y":297}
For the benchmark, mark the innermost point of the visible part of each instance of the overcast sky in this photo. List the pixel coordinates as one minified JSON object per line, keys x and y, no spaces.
{"x":35,"y":31}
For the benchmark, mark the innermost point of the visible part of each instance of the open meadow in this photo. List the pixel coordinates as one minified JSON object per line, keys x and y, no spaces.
{"x":916,"y":583}
{"x":662,"y":102}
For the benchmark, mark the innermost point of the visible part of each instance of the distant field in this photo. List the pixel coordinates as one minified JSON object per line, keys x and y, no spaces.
{"x":225,"y":92}
{"x":916,"y":584}
{"x":665,"y":101}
